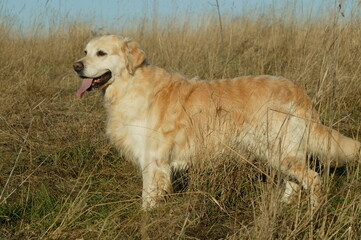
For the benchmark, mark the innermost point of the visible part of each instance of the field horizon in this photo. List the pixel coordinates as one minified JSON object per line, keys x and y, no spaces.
{"x":60,"y":178}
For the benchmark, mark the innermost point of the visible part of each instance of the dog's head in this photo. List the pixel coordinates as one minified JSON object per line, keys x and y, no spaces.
{"x":106,"y":58}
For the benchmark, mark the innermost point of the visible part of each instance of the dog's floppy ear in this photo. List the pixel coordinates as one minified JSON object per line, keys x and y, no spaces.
{"x":134,"y":55}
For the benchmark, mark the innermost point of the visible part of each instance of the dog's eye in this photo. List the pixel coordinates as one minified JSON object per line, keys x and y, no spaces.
{"x":86,"y":52}
{"x":101,"y":54}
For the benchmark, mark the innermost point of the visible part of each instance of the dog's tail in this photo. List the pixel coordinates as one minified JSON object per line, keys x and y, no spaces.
{"x":331,"y":144}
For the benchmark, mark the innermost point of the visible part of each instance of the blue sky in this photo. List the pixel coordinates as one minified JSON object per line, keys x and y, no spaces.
{"x":110,"y":13}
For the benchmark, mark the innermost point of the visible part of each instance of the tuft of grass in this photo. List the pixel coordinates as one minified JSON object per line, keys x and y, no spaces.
{"x":60,"y":178}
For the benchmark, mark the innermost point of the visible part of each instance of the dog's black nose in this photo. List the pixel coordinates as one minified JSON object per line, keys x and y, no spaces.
{"x":78,"y":66}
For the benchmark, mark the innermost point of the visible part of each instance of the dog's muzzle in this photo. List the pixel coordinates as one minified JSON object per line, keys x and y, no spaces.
{"x":89,"y":83}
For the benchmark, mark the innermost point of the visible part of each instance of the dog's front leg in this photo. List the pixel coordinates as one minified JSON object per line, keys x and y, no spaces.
{"x":156,"y":182}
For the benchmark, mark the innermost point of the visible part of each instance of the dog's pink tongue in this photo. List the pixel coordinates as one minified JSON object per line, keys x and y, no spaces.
{"x":87,"y":82}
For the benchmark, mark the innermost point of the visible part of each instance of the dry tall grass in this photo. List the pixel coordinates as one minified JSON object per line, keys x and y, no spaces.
{"x":60,"y":179}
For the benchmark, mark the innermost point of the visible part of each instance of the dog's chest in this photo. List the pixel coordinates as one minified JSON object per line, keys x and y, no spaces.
{"x":127,"y":128}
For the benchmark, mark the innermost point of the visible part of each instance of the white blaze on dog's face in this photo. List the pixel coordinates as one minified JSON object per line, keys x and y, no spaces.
{"x":105,"y":60}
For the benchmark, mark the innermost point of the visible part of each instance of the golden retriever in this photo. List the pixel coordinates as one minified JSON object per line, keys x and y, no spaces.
{"x":160,"y":119}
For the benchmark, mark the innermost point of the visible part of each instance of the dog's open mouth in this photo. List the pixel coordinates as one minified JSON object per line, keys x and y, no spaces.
{"x":89,"y":83}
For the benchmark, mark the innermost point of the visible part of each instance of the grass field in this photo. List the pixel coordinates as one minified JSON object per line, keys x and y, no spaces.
{"x":61,"y":179}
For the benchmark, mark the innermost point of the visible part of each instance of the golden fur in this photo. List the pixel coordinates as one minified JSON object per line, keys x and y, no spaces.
{"x":160,"y":119}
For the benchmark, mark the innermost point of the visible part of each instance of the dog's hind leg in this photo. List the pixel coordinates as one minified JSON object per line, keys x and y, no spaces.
{"x":291,"y":189}
{"x":296,"y":167}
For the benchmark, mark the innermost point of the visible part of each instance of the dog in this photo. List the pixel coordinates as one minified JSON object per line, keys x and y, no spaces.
{"x":160,"y":120}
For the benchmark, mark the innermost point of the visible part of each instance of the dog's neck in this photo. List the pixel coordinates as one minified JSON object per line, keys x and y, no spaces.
{"x":140,"y":86}
{"x":125,"y":88}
